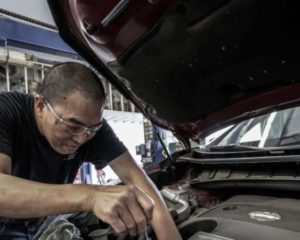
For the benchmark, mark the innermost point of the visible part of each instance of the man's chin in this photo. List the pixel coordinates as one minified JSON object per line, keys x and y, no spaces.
{"x":69,"y":149}
{"x":65,"y":150}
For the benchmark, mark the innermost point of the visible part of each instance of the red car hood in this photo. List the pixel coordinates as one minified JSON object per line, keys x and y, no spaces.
{"x":194,"y":65}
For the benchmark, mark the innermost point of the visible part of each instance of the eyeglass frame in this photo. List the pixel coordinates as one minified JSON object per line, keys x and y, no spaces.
{"x":88,"y":130}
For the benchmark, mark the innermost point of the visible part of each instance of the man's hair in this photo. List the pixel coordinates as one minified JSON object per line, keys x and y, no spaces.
{"x":65,"y":78}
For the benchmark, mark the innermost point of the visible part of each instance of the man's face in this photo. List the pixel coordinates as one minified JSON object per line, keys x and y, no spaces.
{"x":71,"y":123}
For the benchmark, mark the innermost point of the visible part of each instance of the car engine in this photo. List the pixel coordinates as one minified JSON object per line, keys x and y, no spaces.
{"x":241,"y":217}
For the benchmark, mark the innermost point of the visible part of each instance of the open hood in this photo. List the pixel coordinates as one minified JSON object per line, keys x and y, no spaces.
{"x":191,"y":65}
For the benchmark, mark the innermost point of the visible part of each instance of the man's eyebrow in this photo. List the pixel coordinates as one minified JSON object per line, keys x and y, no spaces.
{"x":74,"y":120}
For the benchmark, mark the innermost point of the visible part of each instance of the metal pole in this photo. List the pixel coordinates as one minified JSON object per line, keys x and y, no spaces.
{"x":110,"y":97}
{"x":7,"y":77}
{"x":43,"y":72}
{"x":132,"y":107}
{"x":122,"y":102}
{"x":26,"y":79}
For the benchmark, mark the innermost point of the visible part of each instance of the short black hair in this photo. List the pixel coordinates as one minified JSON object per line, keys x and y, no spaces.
{"x":65,"y":78}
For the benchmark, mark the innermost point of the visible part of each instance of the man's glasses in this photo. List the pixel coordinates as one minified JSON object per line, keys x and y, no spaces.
{"x":74,"y":128}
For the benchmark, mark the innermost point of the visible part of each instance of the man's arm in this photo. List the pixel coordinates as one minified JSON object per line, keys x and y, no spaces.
{"x":21,"y":198}
{"x":130,"y":173}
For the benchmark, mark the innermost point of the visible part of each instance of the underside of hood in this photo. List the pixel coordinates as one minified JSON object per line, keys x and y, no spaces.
{"x":190,"y":65}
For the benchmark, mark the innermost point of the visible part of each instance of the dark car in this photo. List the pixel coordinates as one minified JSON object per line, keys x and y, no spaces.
{"x":195,"y":67}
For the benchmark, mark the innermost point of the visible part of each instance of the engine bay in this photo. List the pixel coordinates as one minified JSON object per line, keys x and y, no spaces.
{"x":210,"y":200}
{"x":241,"y":217}
{"x":205,"y":215}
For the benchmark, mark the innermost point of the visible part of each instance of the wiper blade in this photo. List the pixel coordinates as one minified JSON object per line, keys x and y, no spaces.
{"x":234,"y":148}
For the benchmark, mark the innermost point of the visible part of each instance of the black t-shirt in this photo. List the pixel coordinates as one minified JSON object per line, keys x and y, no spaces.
{"x":32,"y":156}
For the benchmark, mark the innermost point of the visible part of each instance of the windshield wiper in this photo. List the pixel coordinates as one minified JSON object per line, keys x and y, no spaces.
{"x":234,"y":148}
{"x":237,"y":150}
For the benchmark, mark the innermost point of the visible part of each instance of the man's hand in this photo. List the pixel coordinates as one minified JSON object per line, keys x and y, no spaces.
{"x":125,"y":208}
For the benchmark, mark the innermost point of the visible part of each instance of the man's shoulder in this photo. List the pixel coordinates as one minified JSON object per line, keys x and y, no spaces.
{"x":15,"y":96}
{"x":14,"y":103}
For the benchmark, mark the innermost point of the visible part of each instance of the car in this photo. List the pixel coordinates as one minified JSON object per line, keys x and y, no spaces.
{"x":196,"y":67}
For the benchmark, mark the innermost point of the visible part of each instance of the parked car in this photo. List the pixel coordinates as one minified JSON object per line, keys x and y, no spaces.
{"x":195,"y":67}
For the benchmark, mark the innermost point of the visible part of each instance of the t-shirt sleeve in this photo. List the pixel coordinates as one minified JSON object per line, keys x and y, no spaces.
{"x":6,"y":128}
{"x":104,"y":147}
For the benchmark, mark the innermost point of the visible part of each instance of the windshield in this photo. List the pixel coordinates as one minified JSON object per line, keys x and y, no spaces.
{"x":276,"y":129}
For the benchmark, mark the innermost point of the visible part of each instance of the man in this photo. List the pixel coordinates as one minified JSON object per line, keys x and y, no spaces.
{"x":43,"y":141}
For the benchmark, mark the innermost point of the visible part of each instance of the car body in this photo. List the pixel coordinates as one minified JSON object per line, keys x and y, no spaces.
{"x":195,"y":67}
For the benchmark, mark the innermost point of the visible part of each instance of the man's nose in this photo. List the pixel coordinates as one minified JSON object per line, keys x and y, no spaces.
{"x":81,"y":138}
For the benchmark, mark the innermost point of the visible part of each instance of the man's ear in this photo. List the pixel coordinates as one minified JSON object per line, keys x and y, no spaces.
{"x":39,"y":105}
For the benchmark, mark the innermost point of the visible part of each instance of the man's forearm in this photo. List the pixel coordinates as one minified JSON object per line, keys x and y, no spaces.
{"x":162,"y":221}
{"x":21,"y":198}
{"x":130,"y":173}
{"x":163,"y":224}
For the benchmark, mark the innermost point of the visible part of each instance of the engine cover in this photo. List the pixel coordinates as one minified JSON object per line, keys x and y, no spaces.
{"x":247,"y":218}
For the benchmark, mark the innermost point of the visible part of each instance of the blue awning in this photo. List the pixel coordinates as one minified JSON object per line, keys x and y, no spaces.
{"x":21,"y":35}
